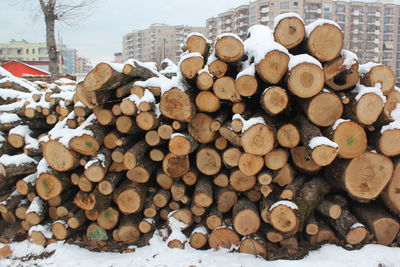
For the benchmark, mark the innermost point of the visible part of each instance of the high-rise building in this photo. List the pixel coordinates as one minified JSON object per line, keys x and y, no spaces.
{"x":371,"y":29}
{"x":83,"y":65}
{"x":68,"y":61}
{"x":157,"y":42}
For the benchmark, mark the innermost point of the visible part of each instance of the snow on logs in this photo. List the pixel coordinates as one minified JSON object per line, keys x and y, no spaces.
{"x":269,"y":146}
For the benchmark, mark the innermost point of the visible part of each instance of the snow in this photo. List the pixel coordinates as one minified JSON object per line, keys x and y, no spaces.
{"x":116,"y":66}
{"x":287,"y":203}
{"x":303,"y":58}
{"x":356,"y":225}
{"x":394,"y":125}
{"x":64,"y":80}
{"x":157,"y":110}
{"x":176,"y":228}
{"x":43,"y":167}
{"x":361,"y":90}
{"x":36,"y":206}
{"x":13,"y":107}
{"x":325,"y":91}
{"x":195,"y":34}
{"x":99,"y":158}
{"x":396,"y":113}
{"x":21,"y":82}
{"x":248,"y":123}
{"x":284,"y":16}
{"x":365,"y":68}
{"x":44,"y":229}
{"x":4,"y":72}
{"x":171,"y":67}
{"x":261,"y":42}
{"x":17,"y":160}
{"x":147,"y":97}
{"x":175,"y":135}
{"x":189,"y":55}
{"x":20,"y":130}
{"x":31,"y":179}
{"x":223,"y":35}
{"x":13,"y":94}
{"x":349,"y":58}
{"x":201,"y":230}
{"x":8,"y":118}
{"x":321,"y":141}
{"x":249,"y":71}
{"x":152,"y":66}
{"x":319,"y":22}
{"x":158,"y":254}
{"x":338,"y":122}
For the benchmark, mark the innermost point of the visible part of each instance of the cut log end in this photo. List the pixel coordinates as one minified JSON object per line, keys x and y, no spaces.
{"x":229,"y":49}
{"x":351,"y":138}
{"x":191,"y":66}
{"x":289,"y":32}
{"x":319,"y":39}
{"x":273,"y":66}
{"x":356,"y":235}
{"x":306,"y":80}
{"x":284,"y":219}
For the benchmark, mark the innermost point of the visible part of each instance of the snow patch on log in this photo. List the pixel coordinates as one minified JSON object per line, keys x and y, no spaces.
{"x":248,"y":70}
{"x":176,"y":227}
{"x":147,"y":97}
{"x":8,"y":118}
{"x":321,"y":141}
{"x":303,"y":58}
{"x":31,"y":179}
{"x":356,"y":225}
{"x":171,"y":67}
{"x":261,"y":42}
{"x":284,"y":16}
{"x":365,"y":68}
{"x":12,"y":107}
{"x":116,"y":66}
{"x":197,"y":34}
{"x":44,"y":229}
{"x":36,"y":206}
{"x":189,"y":55}
{"x":361,"y":90}
{"x":394,"y":125}
{"x":7,"y":160}
{"x":200,"y":230}
{"x":176,"y":134}
{"x":98,"y":158}
{"x":349,"y":58}
{"x":6,"y":94}
{"x":21,"y":82}
{"x":248,"y":123}
{"x":319,"y":22}
{"x":152,"y":66}
{"x":338,"y":122}
{"x":43,"y":167}
{"x":287,"y":203}
{"x":227,"y":34}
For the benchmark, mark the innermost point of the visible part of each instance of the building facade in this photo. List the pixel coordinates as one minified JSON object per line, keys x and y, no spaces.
{"x":157,"y":42}
{"x":371,"y":29}
{"x":26,"y":51}
{"x":82,"y":65}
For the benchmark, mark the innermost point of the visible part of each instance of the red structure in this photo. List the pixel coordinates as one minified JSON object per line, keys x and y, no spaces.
{"x":20,"y":69}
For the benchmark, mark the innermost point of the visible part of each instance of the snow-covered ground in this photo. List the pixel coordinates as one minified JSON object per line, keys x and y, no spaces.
{"x":158,"y":254}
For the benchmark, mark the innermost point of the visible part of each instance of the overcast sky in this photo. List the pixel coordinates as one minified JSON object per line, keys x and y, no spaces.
{"x":100,"y":34}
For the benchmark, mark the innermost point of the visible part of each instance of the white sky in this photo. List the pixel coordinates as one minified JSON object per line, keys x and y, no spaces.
{"x":100,"y":34}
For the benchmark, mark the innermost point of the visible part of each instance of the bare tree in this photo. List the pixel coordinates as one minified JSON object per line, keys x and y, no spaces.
{"x":66,"y":11}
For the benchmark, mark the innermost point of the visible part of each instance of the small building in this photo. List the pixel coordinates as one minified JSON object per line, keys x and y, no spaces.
{"x":21,"y":69}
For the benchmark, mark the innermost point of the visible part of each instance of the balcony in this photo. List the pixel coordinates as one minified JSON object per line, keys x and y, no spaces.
{"x":264,"y":10}
{"x":356,"y":13}
{"x":377,"y":14}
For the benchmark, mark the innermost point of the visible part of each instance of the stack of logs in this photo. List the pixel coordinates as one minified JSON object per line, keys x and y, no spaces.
{"x":270,"y":146}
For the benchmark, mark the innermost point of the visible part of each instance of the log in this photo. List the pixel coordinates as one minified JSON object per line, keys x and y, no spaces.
{"x":105,"y":77}
{"x":51,"y":184}
{"x":208,"y":161}
{"x":228,"y":48}
{"x":223,"y":237}
{"x":135,"y":154}
{"x":77,"y":220}
{"x":329,"y":209}
{"x":126,"y":125}
{"x":274,"y":100}
{"x":217,"y":68}
{"x":320,"y":148}
{"x":276,"y":159}
{"x":36,"y":211}
{"x":250,"y":164}
{"x":258,"y":139}
{"x":273,"y":65}
{"x":302,"y":160}
{"x":380,"y":74}
{"x":182,"y":144}
{"x":390,"y":195}
{"x":289,"y":31}
{"x":96,"y":168}
{"x":196,"y":42}
{"x":231,"y":156}
{"x":206,"y":101}
{"x":198,"y":237}
{"x":324,"y":109}
{"x":291,"y":191}
{"x":246,"y":219}
{"x":304,"y":79}
{"x":175,"y":166}
{"x":282,"y":215}
{"x":246,"y":84}
{"x":60,"y":230}
{"x":191,"y":64}
{"x":162,"y":198}
{"x":383,"y":225}
{"x":108,"y":218}
{"x":226,"y":198}
{"x":255,"y":245}
{"x":319,"y":35}
{"x":96,"y":233}
{"x":130,"y":197}
{"x":177,"y":105}
{"x":283,"y":176}
{"x":386,"y":140}
{"x":203,"y":194}
{"x":350,"y":137}
{"x":288,"y":135}
{"x":59,"y":157}
{"x":225,"y":89}
{"x":363,"y":177}
{"x":241,"y":182}
{"x":11,"y":166}
{"x":340,"y":76}
{"x":92,"y":201}
{"x":85,"y":184}
{"x":110,"y":182}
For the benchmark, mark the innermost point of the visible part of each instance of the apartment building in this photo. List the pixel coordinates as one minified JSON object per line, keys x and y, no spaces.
{"x":371,"y":29}
{"x":157,"y":42}
{"x":26,"y":51}
{"x":83,"y":65}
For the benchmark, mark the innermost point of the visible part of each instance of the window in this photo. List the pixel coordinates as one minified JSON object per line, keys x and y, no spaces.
{"x":33,"y":50}
{"x":341,"y":17}
{"x":26,"y":51}
{"x":387,"y":20}
{"x":296,"y":4}
{"x":340,"y":9}
{"x":370,"y":19}
{"x":388,"y":11}
{"x":284,"y":5}
{"x":1,"y":51}
{"x":19,"y":51}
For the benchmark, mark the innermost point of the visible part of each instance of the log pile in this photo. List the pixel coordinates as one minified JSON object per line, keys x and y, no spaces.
{"x":269,"y":146}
